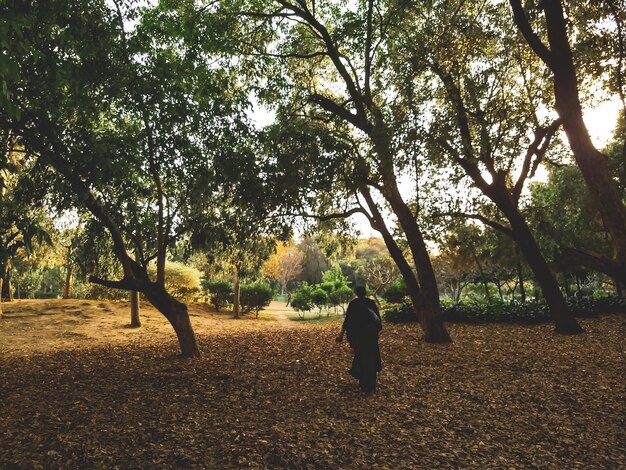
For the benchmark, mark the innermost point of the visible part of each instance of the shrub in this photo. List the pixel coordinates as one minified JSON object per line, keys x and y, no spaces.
{"x":319,"y":298}
{"x":395,"y":292}
{"x":180,"y":280}
{"x":340,"y":297}
{"x":220,"y":292}
{"x":399,"y":313}
{"x":327,"y":287}
{"x":253,"y":297}
{"x":520,"y":313}
{"x":301,"y":299}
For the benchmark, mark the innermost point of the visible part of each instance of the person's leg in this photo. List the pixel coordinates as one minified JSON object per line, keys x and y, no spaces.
{"x":368,"y":382}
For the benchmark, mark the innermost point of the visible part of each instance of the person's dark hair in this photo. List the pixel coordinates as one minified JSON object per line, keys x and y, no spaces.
{"x":359,"y":291}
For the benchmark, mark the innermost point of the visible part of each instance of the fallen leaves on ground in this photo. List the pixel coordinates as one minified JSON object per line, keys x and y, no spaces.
{"x":268,"y":396}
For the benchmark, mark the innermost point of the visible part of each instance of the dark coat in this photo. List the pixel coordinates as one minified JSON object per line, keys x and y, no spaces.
{"x":362,"y":332}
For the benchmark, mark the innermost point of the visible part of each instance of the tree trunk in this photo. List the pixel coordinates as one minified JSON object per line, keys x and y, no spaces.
{"x":592,"y":163}
{"x":135,"y":322}
{"x":432,"y":320}
{"x":236,"y":295}
{"x":618,"y":288}
{"x":429,"y":314}
{"x":499,"y":287}
{"x":178,"y":316}
{"x":568,"y":291}
{"x":9,"y":290}
{"x":67,"y":291}
{"x":1,"y":284}
{"x":483,"y":277}
{"x":564,"y":320}
{"x":520,"y":275}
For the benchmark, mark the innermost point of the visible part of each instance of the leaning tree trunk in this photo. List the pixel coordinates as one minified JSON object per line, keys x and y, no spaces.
{"x":433,"y":325}
{"x":563,"y":319}
{"x":592,"y":163}
{"x":178,"y":316}
{"x":135,"y":322}
{"x":427,"y":310}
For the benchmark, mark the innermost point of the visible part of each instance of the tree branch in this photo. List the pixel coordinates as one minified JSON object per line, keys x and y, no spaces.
{"x":124,"y":284}
{"x":336,"y":109}
{"x":542,"y":134}
{"x":531,"y":37}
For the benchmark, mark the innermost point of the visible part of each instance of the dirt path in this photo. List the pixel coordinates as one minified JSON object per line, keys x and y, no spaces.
{"x":279,"y":311}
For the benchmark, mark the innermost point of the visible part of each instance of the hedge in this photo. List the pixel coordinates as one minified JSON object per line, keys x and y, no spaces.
{"x":520,"y":313}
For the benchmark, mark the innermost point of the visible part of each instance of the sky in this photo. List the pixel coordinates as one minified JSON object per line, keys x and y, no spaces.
{"x":600,"y":120}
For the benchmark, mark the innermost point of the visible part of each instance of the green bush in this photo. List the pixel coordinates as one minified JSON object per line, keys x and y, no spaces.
{"x":519,"y":313}
{"x":340,"y":297}
{"x":301,"y":299}
{"x":253,"y":297}
{"x":395,"y":292}
{"x":399,"y":313}
{"x":319,"y":298}
{"x":220,"y":292}
{"x":327,"y":287}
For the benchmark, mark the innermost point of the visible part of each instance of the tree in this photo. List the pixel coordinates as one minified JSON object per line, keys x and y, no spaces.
{"x":105,"y":111}
{"x":20,"y":218}
{"x":488,"y":111}
{"x":324,"y":44}
{"x":220,"y":292}
{"x":285,"y":265}
{"x":559,"y":59}
{"x":379,"y":272}
{"x":254,"y":297}
{"x":563,"y":213}
{"x":319,"y":298}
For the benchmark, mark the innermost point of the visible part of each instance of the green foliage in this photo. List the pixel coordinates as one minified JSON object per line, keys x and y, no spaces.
{"x":319,"y":298}
{"x":327,"y":287}
{"x":220,"y":292}
{"x":334,"y":276}
{"x":395,"y":292}
{"x":30,"y":282}
{"x":254,"y":297}
{"x":518,"y":313}
{"x":341,"y":296}
{"x":301,"y":299}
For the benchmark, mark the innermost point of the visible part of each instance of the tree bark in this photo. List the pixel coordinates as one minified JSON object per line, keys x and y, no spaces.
{"x":564,"y":320}
{"x":67,"y":291}
{"x":592,"y":163}
{"x":135,"y":322}
{"x":237,"y":290}
{"x":9,"y":290}
{"x":520,"y":275}
{"x":1,"y":285}
{"x":178,"y":316}
{"x":175,"y":311}
{"x":429,"y":313}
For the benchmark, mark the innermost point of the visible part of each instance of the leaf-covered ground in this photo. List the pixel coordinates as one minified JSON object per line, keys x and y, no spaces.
{"x":276,"y":395}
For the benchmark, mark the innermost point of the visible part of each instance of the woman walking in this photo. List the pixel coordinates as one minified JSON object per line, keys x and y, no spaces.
{"x":362,"y":326}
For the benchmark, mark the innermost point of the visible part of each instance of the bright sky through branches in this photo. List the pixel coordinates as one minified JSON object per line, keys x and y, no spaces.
{"x":601,"y":122}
